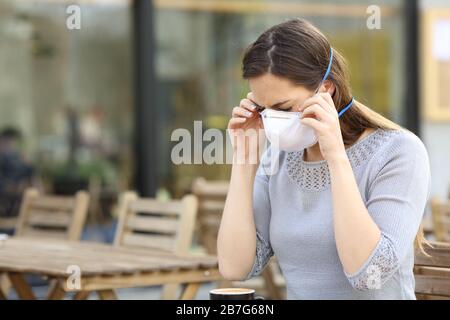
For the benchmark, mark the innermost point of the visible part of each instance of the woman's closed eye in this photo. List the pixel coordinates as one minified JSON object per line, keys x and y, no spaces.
{"x":283,"y":109}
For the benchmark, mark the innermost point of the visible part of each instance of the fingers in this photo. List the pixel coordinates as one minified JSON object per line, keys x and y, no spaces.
{"x":321,"y":100}
{"x":326,"y":104}
{"x":241,"y":112}
{"x":246,"y":108}
{"x":245,"y":116}
{"x":260,"y":123}
{"x":313,"y":123}
{"x":236,"y":122}
{"x":328,"y":98}
{"x":316,"y":99}
{"x":316,"y":111}
{"x":247,"y":104}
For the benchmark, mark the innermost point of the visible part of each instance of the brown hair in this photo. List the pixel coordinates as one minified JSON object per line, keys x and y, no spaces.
{"x":298,"y":51}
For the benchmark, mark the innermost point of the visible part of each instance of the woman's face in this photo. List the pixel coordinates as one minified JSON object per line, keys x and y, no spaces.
{"x":278,"y":93}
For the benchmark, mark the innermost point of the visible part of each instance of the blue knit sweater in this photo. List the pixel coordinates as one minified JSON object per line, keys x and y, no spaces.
{"x":293,"y":215}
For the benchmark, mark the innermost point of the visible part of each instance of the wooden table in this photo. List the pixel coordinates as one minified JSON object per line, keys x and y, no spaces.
{"x":102,"y":268}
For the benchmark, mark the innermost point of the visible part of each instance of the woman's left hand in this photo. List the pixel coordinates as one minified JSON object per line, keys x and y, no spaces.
{"x":320,"y":114}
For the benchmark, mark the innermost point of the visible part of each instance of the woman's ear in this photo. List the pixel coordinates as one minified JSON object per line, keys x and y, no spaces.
{"x":328,"y":86}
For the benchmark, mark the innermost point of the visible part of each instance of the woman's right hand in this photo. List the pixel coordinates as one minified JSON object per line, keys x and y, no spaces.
{"x":245,"y":118}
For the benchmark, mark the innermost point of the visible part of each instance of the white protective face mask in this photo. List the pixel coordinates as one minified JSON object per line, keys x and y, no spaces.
{"x":285,"y":131}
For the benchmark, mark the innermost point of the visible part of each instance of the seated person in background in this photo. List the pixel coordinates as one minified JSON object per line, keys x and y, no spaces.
{"x":16,"y":173}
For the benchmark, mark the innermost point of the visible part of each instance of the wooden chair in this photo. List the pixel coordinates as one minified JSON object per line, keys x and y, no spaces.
{"x":440,"y":211}
{"x":59,"y":217}
{"x":48,"y":216}
{"x":432,"y":272}
{"x":212,"y":196}
{"x":162,"y":225}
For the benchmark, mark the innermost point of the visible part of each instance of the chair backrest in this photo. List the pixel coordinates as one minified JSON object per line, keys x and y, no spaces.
{"x":432,"y":272}
{"x":441,"y":219}
{"x":151,"y":223}
{"x":48,"y":216}
{"x":212,"y":196}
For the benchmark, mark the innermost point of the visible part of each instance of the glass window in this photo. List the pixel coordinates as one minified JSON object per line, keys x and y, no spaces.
{"x":69,"y":91}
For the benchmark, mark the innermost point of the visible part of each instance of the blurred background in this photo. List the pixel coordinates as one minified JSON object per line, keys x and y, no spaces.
{"x":93,"y":108}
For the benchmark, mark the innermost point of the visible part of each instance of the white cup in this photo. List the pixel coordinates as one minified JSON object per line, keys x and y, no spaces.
{"x":3,"y":238}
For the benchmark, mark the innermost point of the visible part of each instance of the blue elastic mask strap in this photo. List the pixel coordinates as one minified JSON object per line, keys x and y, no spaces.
{"x":327,"y":73}
{"x":346,"y":107}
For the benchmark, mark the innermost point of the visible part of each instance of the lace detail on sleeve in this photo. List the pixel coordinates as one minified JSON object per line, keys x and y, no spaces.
{"x":377,"y":269}
{"x":264,"y":252}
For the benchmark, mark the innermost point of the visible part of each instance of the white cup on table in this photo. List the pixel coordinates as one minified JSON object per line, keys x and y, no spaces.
{"x":3,"y":238}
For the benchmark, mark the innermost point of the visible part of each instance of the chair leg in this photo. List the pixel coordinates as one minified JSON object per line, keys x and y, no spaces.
{"x":55,"y":292}
{"x":81,"y":295}
{"x":21,"y":286}
{"x":190,"y":292}
{"x":2,"y":295}
{"x":107,"y":294}
{"x":5,"y":286}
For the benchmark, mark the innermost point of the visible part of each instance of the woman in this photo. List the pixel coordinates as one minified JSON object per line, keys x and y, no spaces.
{"x":342,"y":211}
